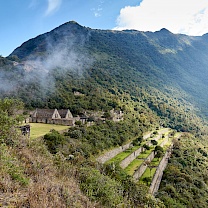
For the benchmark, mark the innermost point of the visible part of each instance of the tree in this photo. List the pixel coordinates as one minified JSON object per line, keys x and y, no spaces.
{"x":145,"y":146}
{"x":147,"y":180}
{"x":11,"y":106}
{"x":78,"y":123}
{"x":154,"y":142}
{"x":159,"y":154}
{"x":158,"y":148}
{"x":9,"y":119}
{"x":140,"y":139}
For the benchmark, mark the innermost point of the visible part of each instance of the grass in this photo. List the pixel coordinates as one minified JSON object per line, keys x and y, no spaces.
{"x":145,"y":154}
{"x":130,"y":169}
{"x":155,"y":161}
{"x":148,"y":173}
{"x":121,"y":156}
{"x":39,"y":129}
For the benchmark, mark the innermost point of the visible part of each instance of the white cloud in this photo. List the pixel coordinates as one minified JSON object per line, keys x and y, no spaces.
{"x":179,"y":16}
{"x":98,"y":11}
{"x":53,"y":5}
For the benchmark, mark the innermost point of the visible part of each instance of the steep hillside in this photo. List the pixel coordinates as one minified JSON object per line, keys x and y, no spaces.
{"x":156,"y":79}
{"x":174,"y":64}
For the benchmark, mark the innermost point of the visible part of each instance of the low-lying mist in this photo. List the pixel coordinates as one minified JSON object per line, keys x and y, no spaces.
{"x":37,"y":72}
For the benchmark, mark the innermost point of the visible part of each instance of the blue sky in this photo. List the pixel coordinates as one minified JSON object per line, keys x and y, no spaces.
{"x":25,"y":19}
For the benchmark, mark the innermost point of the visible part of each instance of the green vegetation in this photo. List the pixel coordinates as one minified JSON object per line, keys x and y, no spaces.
{"x":145,"y":154}
{"x":185,"y":181}
{"x":40,"y":129}
{"x":149,"y":173}
{"x":119,"y":157}
{"x":130,"y":169}
{"x":129,"y":71}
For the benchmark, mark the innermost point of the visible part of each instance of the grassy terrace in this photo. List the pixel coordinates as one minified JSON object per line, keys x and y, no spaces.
{"x":121,"y":156}
{"x":39,"y":129}
{"x":134,"y":165}
{"x":130,"y":169}
{"x":154,"y":164}
{"x":148,"y":173}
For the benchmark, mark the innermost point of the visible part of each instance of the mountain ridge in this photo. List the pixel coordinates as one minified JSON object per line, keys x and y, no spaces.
{"x":178,"y":62}
{"x":155,"y":79}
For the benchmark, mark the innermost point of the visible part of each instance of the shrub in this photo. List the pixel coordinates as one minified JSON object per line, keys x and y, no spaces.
{"x":99,"y":187}
{"x":146,"y":147}
{"x":76,"y":134}
{"x":154,"y":142}
{"x":159,"y":148}
{"x":53,"y":141}
{"x":78,"y":123}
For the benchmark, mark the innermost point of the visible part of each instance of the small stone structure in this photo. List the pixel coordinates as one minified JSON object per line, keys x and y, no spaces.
{"x":116,"y":115}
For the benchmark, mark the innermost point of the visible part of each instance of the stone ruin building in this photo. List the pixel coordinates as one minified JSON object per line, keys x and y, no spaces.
{"x":52,"y":116}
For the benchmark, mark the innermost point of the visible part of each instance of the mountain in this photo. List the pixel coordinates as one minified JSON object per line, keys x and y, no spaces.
{"x":162,"y":72}
{"x":155,"y":78}
{"x":174,"y":64}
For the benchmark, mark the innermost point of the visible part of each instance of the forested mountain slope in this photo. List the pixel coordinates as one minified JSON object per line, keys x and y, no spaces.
{"x":174,"y":64}
{"x":156,"y":79}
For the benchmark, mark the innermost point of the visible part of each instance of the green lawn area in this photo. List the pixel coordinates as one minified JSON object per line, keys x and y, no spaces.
{"x":155,"y":161}
{"x":121,"y":156}
{"x":39,"y":129}
{"x":148,"y":173}
{"x":130,"y":169}
{"x":145,"y":154}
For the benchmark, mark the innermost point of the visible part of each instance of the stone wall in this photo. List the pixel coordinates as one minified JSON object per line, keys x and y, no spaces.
{"x":136,"y":153}
{"x":159,"y":172}
{"x":138,"y":173}
{"x":131,"y":157}
{"x":112,"y":153}
{"x":164,"y":142}
{"x":67,"y":122}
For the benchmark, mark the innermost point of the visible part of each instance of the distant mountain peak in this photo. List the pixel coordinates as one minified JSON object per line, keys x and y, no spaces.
{"x":164,"y":30}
